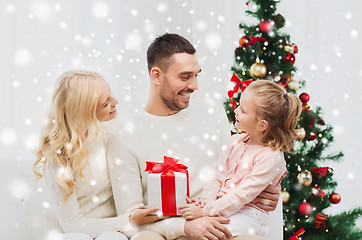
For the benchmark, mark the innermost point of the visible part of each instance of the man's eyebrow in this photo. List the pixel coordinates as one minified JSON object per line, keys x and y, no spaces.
{"x":187,"y":73}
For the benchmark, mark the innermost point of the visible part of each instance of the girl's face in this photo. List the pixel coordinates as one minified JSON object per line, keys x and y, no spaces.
{"x":106,"y":107}
{"x":246,"y":118}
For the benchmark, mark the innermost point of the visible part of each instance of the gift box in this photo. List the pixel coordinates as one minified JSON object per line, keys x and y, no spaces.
{"x":168,"y":185}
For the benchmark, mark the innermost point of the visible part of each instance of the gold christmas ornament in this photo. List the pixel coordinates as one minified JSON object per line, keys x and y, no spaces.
{"x":293,"y":85}
{"x":305,"y":177}
{"x":258,"y":70}
{"x":300,"y":132}
{"x":289,"y":48}
{"x":285,"y":196}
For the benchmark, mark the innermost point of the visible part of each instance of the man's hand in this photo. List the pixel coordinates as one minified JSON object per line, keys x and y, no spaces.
{"x":190,"y":211}
{"x":207,"y":228}
{"x":268,"y":199}
{"x":143,"y":216}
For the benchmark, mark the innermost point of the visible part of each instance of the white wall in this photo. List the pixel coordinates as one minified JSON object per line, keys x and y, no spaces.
{"x":41,"y":39}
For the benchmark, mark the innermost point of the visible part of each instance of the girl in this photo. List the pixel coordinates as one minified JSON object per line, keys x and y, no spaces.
{"x":72,"y":155}
{"x":267,"y":116}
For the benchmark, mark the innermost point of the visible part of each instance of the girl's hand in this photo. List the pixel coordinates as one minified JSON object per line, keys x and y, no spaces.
{"x":143,"y":216}
{"x":201,"y":202}
{"x":190,"y":211}
{"x":190,"y":200}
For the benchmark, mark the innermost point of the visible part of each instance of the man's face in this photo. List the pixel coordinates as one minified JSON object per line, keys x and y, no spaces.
{"x":179,"y":81}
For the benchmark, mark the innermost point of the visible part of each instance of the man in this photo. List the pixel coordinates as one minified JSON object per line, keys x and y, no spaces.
{"x":169,"y":126}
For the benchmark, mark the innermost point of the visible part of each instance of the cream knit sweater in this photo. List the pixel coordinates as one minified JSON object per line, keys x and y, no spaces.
{"x":90,"y":209}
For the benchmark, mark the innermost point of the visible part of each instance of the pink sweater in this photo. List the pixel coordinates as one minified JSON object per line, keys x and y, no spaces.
{"x":242,"y":175}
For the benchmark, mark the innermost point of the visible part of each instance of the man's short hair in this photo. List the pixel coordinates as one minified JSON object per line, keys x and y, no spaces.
{"x":163,"y":47}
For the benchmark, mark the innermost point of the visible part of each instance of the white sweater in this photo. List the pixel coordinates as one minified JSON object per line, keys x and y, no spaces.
{"x":194,"y":135}
{"x":90,"y":209}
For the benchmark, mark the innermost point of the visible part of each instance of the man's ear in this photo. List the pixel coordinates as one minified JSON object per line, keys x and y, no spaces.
{"x":263,"y":125}
{"x":155,"y":75}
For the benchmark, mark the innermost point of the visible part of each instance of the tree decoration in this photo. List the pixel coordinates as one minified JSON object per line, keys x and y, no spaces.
{"x":304,"y":98}
{"x":320,"y":171}
{"x":312,"y":135}
{"x":293,"y":85}
{"x":304,"y":208}
{"x":320,"y":220}
{"x":285,"y":196}
{"x":243,"y":41}
{"x":279,"y":20}
{"x":334,"y":198}
{"x":258,"y":70}
{"x":300,"y":133}
{"x":297,"y":234}
{"x":305,"y":177}
{"x":265,"y":26}
{"x":289,"y":48}
{"x":253,"y":40}
{"x":290,"y":58}
{"x":238,"y":85}
{"x":316,"y":191}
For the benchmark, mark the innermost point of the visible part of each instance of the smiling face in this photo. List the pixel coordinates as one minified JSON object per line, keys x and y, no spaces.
{"x":246,"y":118}
{"x":106,"y":106}
{"x":179,"y":81}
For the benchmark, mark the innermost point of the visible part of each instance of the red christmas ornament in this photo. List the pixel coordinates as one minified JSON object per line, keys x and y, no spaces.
{"x":334,"y":198}
{"x":304,"y":98}
{"x":312,"y":136}
{"x":304,"y":208}
{"x":295,"y":48}
{"x":320,"y":220}
{"x":290,"y":58}
{"x":265,"y":26}
{"x":243,"y":41}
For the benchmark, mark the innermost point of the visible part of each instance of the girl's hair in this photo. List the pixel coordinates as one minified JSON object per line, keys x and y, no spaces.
{"x":281,"y":110}
{"x":71,"y":127}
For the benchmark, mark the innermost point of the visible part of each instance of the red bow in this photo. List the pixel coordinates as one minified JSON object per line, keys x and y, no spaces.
{"x":298,"y":233}
{"x":168,"y":166}
{"x":322,"y":170}
{"x":254,"y":40}
{"x":242,"y":84}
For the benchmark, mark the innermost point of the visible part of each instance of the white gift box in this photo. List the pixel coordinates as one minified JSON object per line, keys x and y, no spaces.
{"x":155,"y":193}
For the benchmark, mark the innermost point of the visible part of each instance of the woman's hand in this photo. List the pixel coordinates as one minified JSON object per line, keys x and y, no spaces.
{"x":143,"y":216}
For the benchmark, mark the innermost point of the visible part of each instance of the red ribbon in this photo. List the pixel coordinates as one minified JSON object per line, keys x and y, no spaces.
{"x":298,"y":233}
{"x":166,"y":169}
{"x":238,"y":83}
{"x":322,"y":170}
{"x":254,"y":40}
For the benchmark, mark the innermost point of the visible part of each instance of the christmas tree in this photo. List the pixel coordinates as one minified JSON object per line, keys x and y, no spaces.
{"x":308,"y":189}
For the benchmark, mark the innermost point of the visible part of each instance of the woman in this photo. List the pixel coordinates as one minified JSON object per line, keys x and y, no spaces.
{"x":72,"y":155}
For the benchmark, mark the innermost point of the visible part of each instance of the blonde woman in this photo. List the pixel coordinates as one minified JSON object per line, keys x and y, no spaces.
{"x":72,"y":157}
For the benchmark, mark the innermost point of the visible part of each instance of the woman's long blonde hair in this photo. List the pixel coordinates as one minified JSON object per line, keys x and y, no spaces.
{"x":71,"y":127}
{"x":281,"y":110}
